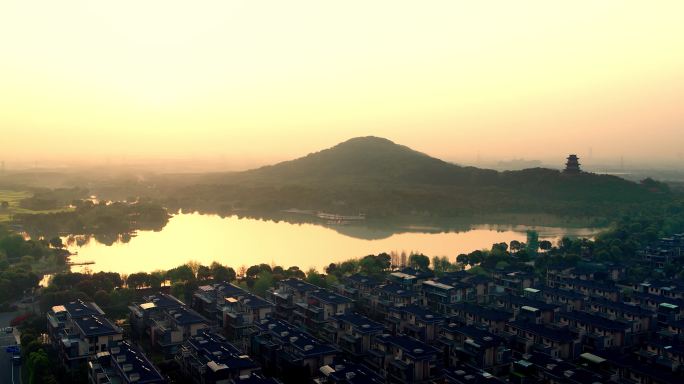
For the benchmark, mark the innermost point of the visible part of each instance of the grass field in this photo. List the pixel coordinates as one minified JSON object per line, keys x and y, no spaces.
{"x":13,"y":198}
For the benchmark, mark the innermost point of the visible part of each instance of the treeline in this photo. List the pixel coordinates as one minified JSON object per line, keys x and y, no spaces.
{"x":447,"y":193}
{"x":589,"y":199}
{"x":22,"y":263}
{"x":631,"y":233}
{"x":106,"y":220}
{"x":47,"y":199}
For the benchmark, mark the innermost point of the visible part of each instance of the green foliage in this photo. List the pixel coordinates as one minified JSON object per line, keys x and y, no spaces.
{"x":315,"y":278}
{"x":106,"y":222}
{"x":440,"y":265}
{"x":373,"y":265}
{"x":263,"y":282}
{"x":38,"y":367}
{"x":221,"y":272}
{"x":180,"y":273}
{"x":139,"y":280}
{"x":419,"y":261}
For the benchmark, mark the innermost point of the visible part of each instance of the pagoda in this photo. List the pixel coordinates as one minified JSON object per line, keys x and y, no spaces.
{"x":572,"y":165}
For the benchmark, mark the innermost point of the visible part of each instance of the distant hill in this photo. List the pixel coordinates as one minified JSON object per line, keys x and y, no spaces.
{"x":366,"y":159}
{"x":383,"y":179}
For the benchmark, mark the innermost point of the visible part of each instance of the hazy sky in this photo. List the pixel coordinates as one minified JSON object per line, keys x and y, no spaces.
{"x":265,"y":80}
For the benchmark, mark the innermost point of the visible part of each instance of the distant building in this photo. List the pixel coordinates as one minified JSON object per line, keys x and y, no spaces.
{"x":572,"y":165}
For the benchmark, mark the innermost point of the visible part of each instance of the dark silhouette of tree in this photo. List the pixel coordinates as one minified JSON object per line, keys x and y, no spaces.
{"x":419,"y":261}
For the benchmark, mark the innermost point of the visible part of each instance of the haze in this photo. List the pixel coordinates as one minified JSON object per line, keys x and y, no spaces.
{"x":243,"y":83}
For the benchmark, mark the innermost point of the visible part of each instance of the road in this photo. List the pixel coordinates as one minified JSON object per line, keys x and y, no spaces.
{"x":9,"y":374}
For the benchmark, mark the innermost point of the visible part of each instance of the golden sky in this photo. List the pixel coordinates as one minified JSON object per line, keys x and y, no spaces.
{"x":265,"y":80}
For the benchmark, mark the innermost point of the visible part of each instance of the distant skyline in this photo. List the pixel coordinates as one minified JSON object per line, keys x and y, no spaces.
{"x":237,"y":84}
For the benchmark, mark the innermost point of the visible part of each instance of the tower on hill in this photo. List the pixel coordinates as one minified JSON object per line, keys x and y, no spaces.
{"x":572,"y":165}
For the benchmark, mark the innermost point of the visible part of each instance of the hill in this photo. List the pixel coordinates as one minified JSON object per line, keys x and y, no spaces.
{"x":383,"y":179}
{"x":366,"y":159}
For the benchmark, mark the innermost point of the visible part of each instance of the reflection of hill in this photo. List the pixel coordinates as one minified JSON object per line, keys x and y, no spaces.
{"x":547,"y":226}
{"x":362,"y":232}
{"x":377,"y":230}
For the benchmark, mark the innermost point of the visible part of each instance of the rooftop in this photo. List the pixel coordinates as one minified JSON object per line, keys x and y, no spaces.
{"x":349,"y":373}
{"x":410,"y":346}
{"x":362,"y":323}
{"x":79,"y":308}
{"x":162,"y":301}
{"x":595,"y":320}
{"x":302,"y":342}
{"x":396,"y":290}
{"x":594,"y":285}
{"x":327,"y":296}
{"x":256,"y":378}
{"x":483,"y":312}
{"x":438,"y":285}
{"x":299,"y":285}
{"x":525,"y":301}
{"x":94,"y":325}
{"x":186,"y":316}
{"x":462,"y":374}
{"x":555,"y":334}
{"x":363,"y":279}
{"x":212,"y":347}
{"x":480,"y":336}
{"x":420,"y":312}
{"x":128,"y":361}
{"x":631,"y":309}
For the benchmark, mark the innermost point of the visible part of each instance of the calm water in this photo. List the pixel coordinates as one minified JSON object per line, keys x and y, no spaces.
{"x":236,"y":242}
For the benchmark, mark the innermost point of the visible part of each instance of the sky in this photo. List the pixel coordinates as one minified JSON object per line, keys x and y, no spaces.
{"x":250,"y":82}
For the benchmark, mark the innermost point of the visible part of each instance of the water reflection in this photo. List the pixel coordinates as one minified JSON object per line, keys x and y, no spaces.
{"x":242,"y":241}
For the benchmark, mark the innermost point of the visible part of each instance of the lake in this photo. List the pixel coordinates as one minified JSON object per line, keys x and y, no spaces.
{"x":237,"y":241}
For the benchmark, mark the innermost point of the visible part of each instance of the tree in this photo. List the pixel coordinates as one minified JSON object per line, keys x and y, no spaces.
{"x":331,"y":269}
{"x":462,"y":258}
{"x":385,"y":260}
{"x":315,"y":278}
{"x":516,"y":246}
{"x":203,"y":273}
{"x":38,"y":366}
{"x":138,"y":280}
{"x":221,"y":272}
{"x":263,"y":283}
{"x":101,"y":298}
{"x":178,"y":289}
{"x":347,"y":267}
{"x":181,"y":273}
{"x":56,"y":242}
{"x":441,"y":265}
{"x":476,"y":257}
{"x":156,"y":279}
{"x":194,"y":267}
{"x":295,"y":272}
{"x":545,"y":245}
{"x":419,"y":261}
{"x":374,"y":265}
{"x":253,"y":271}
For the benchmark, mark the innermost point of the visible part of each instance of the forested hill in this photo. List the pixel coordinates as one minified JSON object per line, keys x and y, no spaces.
{"x":369,"y":159}
{"x":381,"y":178}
